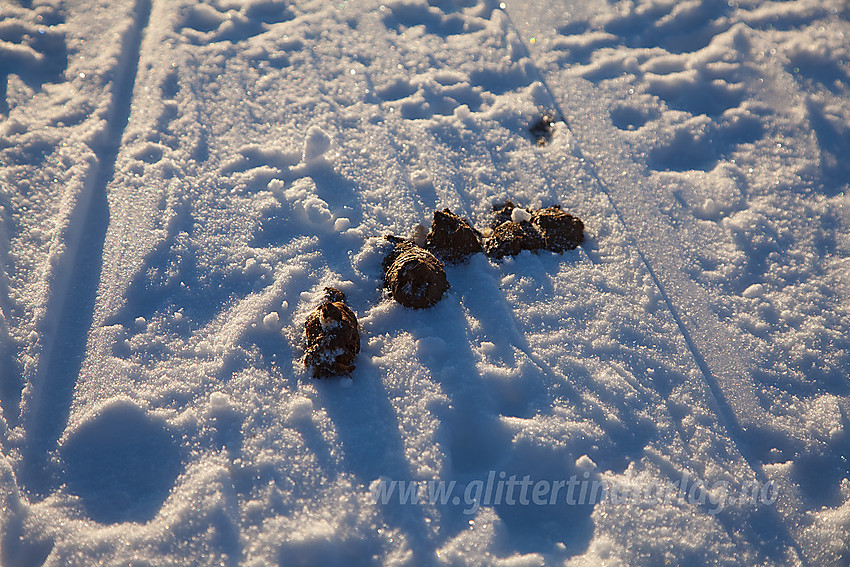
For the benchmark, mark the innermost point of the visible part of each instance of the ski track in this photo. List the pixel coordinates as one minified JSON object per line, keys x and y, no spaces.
{"x":716,"y":349}
{"x":75,"y":282}
{"x":723,"y":366}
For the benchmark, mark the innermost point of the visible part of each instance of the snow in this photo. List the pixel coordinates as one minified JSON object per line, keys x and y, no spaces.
{"x":520,"y":215}
{"x":179,"y":182}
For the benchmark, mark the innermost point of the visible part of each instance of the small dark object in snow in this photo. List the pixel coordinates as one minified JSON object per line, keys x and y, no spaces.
{"x":560,"y":231}
{"x":452,"y":238}
{"x":541,"y":130}
{"x":332,"y":337}
{"x":510,"y":238}
{"x":516,"y":229}
{"x":414,"y":276}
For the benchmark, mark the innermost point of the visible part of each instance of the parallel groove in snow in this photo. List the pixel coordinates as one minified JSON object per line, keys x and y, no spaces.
{"x":75,"y":279}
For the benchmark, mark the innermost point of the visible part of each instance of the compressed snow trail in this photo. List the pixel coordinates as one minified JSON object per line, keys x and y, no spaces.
{"x":719,"y":349}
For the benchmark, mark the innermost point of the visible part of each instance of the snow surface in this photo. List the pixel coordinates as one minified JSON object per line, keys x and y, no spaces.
{"x":181,"y":179}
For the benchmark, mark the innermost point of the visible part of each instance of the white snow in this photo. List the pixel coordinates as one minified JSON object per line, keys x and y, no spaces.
{"x":520,"y":215}
{"x":316,"y":143}
{"x":180,"y":180}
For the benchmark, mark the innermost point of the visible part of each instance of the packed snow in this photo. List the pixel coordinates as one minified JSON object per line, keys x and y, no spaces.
{"x":181,"y":179}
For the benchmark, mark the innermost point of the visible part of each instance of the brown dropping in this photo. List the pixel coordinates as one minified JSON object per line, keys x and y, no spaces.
{"x":549,"y":228}
{"x":414,"y":276}
{"x":510,"y":238}
{"x":502,"y":213}
{"x":560,"y":231}
{"x":452,"y":238}
{"x":331,"y":336}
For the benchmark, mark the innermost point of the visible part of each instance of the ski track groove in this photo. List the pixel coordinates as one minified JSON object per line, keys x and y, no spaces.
{"x":74,"y":281}
{"x":672,"y":286}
